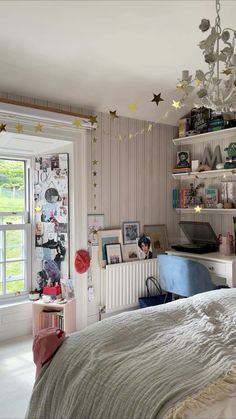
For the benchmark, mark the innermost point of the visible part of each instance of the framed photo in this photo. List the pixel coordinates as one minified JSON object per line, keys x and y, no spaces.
{"x":211,"y":197}
{"x":183,"y":159}
{"x":95,"y":223}
{"x":131,"y":230}
{"x":107,"y":237}
{"x":144,"y":247}
{"x":113,"y":253}
{"x":158,"y":235}
{"x":129,"y":252}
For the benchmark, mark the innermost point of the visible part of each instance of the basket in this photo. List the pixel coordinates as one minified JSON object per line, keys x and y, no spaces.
{"x":154,"y":300}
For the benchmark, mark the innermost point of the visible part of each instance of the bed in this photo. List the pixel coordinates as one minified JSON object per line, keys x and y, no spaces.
{"x":177,"y":360}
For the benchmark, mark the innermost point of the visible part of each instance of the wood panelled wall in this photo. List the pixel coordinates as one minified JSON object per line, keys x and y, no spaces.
{"x":133,"y":175}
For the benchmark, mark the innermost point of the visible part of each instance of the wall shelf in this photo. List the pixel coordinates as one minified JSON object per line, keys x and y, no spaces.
{"x":206,"y":174}
{"x":199,"y":138}
{"x":221,"y":211}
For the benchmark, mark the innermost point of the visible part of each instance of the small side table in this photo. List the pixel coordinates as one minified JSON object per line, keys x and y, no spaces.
{"x":66,"y":311}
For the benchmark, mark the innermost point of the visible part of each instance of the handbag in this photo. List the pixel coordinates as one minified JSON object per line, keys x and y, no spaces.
{"x":153,"y":300}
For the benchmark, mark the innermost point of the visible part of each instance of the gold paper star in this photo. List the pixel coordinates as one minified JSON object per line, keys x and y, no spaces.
{"x":227,"y":71}
{"x":94,"y":173}
{"x":95,"y":162}
{"x":120,"y":138}
{"x":39,"y":128}
{"x":133,"y":107}
{"x":93,"y":119}
{"x":149,"y":127}
{"x":130,"y":136}
{"x":197,"y":209}
{"x":198,"y":82}
{"x":3,"y":127}
{"x":37,"y":209}
{"x":94,"y":185}
{"x":19,"y":128}
{"x":176,"y":104}
{"x":179,"y":87}
{"x":94,"y":139}
{"x":113,"y":114}
{"x":77,"y":123}
{"x":157,"y":99}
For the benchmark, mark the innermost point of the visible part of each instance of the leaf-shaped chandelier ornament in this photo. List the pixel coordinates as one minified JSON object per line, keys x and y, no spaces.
{"x":216,"y":88}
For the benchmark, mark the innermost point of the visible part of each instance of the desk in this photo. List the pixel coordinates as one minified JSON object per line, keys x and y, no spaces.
{"x":217,"y":264}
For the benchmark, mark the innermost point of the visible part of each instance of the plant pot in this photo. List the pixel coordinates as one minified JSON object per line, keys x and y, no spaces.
{"x":228,"y":205}
{"x":33,"y":296}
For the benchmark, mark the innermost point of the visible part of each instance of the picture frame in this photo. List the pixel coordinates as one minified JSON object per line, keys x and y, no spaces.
{"x":131,"y":230}
{"x":183,"y":159}
{"x":113,"y":253}
{"x":144,"y":247}
{"x":129,"y":252}
{"x":107,"y":237}
{"x":211,"y":197}
{"x":158,"y":236}
{"x":95,"y":223}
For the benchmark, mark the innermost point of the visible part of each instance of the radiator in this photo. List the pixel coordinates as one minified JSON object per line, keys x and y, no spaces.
{"x":123,"y":283}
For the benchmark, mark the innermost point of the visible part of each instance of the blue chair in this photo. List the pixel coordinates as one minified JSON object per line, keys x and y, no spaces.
{"x":184,"y":277}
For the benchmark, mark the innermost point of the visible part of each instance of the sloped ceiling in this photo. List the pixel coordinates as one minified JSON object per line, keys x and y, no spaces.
{"x":104,"y":54}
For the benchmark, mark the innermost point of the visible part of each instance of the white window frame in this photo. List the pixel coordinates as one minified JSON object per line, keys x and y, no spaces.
{"x":26,"y":227}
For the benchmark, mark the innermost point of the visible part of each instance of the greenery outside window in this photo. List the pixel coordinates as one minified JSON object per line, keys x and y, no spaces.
{"x":15,"y":229}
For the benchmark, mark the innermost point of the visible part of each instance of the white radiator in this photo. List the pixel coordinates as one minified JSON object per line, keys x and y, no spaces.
{"x":123,"y":283}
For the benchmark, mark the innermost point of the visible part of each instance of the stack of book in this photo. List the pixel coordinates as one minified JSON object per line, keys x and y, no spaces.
{"x":181,"y":198}
{"x":51,"y":318}
{"x":182,"y":170}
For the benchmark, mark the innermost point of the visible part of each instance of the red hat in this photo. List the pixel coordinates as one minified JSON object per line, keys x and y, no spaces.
{"x":82,"y":261}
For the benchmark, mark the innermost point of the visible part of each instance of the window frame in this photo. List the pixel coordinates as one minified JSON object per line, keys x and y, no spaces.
{"x":26,"y":226}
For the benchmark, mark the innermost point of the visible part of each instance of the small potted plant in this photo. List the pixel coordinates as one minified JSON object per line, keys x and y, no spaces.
{"x":34,"y":295}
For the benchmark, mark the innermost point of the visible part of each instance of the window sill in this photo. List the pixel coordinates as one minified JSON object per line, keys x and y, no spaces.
{"x":14,"y":302}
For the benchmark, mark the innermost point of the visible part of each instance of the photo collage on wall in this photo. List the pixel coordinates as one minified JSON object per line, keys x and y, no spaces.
{"x":51,"y":205}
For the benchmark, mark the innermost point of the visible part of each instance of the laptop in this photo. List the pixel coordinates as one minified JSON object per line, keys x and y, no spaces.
{"x":201,"y":236}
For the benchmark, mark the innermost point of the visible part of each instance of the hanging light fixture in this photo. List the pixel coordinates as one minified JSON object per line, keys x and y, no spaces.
{"x":216,"y":88}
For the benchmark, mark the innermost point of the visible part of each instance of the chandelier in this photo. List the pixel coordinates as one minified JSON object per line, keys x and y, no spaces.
{"x":215,"y":88}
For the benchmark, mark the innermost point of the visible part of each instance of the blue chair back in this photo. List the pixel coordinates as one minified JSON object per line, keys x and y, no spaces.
{"x":183,"y":276}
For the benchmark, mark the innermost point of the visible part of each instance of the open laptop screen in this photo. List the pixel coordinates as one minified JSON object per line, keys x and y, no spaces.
{"x":198,"y":232}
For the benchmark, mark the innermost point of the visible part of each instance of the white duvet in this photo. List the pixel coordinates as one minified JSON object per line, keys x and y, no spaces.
{"x":162,"y":361}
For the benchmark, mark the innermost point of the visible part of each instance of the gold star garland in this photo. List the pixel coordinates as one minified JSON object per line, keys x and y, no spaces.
{"x":94,"y":178}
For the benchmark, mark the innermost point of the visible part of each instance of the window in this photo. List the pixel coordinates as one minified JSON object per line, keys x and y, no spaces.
{"x":15,"y":231}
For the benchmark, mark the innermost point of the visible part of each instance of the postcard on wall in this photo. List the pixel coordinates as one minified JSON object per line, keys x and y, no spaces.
{"x":211,"y":197}
{"x":95,"y":223}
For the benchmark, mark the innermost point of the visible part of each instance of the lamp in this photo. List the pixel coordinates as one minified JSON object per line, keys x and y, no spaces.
{"x":216,"y":88}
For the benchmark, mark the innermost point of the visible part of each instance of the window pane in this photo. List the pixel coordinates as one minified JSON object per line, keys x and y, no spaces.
{"x":1,"y":246}
{"x":13,"y":219}
{"x":12,"y":185}
{"x":1,"y":279}
{"x":15,"y":273}
{"x":14,"y":244}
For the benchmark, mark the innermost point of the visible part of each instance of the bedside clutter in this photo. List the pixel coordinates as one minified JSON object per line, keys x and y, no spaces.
{"x":201,"y":120}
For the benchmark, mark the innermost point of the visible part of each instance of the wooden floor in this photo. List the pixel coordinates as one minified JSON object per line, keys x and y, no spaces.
{"x":17,"y":373}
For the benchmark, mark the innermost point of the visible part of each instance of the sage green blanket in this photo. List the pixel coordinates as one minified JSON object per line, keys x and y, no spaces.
{"x":140,"y":364}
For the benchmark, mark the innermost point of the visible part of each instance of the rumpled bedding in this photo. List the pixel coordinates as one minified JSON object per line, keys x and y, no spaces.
{"x":144,"y":364}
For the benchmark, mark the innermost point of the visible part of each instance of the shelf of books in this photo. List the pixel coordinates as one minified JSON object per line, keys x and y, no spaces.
{"x":206,"y":174}
{"x":198,"y":138}
{"x":221,"y":211}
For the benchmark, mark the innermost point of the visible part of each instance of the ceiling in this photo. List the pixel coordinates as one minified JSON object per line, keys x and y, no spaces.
{"x":104,"y":55}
